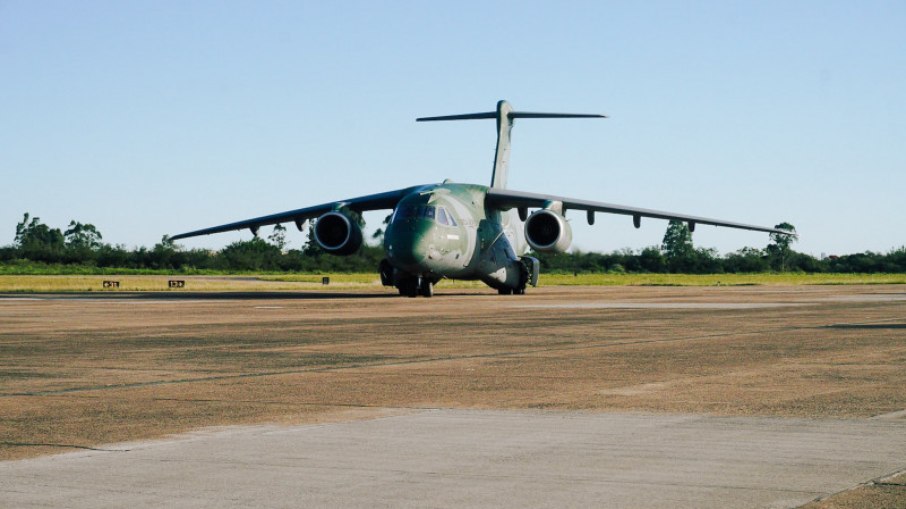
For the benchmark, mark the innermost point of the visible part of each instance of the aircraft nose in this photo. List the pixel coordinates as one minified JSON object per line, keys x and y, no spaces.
{"x":407,"y":248}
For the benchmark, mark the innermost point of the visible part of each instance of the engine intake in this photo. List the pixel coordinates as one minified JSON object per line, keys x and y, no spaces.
{"x":548,"y":231}
{"x":338,"y":233}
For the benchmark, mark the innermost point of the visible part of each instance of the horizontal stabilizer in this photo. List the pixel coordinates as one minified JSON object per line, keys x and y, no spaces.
{"x":510,"y":115}
{"x":505,"y":115}
{"x":528,"y":114}
{"x":464,"y":116}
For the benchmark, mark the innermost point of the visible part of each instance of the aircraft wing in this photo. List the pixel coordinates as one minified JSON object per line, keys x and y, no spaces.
{"x":378,"y":201}
{"x":507,"y":199}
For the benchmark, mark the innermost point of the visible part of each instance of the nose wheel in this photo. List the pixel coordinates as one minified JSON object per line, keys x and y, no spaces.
{"x":511,"y":291}
{"x":416,"y":286}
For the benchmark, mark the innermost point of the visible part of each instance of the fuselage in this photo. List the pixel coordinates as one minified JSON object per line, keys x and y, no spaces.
{"x":445,"y":231}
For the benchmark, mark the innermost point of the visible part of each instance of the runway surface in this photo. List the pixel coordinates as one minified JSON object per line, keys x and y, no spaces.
{"x":463,"y":458}
{"x":569,"y":396}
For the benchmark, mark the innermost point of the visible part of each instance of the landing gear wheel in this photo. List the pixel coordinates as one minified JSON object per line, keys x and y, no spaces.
{"x":504,"y":291}
{"x":426,"y":289}
{"x":408,"y":288}
{"x":519,"y":291}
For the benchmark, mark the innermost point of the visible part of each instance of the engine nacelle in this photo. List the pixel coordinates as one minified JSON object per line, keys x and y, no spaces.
{"x":546,"y":230}
{"x":338,"y":234}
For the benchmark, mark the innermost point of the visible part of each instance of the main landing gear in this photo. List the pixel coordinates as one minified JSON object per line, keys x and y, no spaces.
{"x":529,"y":268}
{"x":426,"y":288}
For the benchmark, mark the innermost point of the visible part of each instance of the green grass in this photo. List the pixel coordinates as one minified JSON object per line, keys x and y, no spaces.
{"x":340,"y":282}
{"x":719,"y":279}
{"x":19,"y":268}
{"x":651,"y":279}
{"x":158,"y":283}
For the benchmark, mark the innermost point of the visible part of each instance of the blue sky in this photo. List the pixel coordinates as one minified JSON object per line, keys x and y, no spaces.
{"x":147,"y":118}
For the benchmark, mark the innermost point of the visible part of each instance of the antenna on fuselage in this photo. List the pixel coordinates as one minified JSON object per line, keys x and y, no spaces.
{"x":505,"y":116}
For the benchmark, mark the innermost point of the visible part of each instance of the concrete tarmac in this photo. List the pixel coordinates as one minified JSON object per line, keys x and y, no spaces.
{"x":475,"y":458}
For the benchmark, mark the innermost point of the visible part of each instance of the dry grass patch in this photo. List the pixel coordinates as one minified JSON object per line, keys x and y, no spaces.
{"x":889,"y":493}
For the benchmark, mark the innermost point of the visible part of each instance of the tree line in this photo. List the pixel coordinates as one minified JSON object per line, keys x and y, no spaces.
{"x":82,"y":245}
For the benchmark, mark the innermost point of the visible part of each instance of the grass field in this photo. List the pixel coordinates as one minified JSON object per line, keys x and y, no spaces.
{"x":138,"y":283}
{"x":302,"y":282}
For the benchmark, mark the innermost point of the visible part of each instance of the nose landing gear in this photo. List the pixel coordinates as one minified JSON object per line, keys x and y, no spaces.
{"x":413,"y":287}
{"x":408,"y":285}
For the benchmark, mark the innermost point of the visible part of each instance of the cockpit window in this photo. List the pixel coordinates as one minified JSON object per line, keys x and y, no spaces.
{"x":425,"y":211}
{"x":438,"y":214}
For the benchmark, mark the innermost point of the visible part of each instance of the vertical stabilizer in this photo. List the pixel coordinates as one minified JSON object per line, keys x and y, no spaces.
{"x":505,"y":116}
{"x":502,"y":155}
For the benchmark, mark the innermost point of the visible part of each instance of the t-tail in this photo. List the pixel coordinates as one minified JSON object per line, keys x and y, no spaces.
{"x":505,"y":117}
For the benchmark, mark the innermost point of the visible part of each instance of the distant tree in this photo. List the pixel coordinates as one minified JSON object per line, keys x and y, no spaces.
{"x":677,"y":246}
{"x":747,"y":259}
{"x":36,"y":241}
{"x":82,"y":236}
{"x":378,"y":235}
{"x":255,"y":254}
{"x":167,"y":242}
{"x":115,"y":256}
{"x":311,"y":247}
{"x":278,"y":237}
{"x":896,"y":260}
{"x":705,"y":261}
{"x":652,"y":260}
{"x":807,"y":263}
{"x":24,"y":228}
{"x":35,"y":232}
{"x":163,"y":255}
{"x":779,"y":249}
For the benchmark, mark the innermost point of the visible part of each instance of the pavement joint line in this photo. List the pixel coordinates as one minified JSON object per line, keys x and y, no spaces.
{"x":596,"y":345}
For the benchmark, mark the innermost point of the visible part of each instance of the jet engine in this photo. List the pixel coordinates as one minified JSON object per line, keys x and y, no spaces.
{"x":338,"y":233}
{"x":546,"y":230}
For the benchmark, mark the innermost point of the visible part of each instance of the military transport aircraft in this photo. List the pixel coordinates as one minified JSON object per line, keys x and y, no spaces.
{"x":461,"y":231}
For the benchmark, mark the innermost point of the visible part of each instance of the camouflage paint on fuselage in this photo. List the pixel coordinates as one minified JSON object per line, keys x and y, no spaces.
{"x":446,"y":231}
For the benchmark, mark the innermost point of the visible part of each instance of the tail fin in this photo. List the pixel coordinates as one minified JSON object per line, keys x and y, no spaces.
{"x":505,"y":116}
